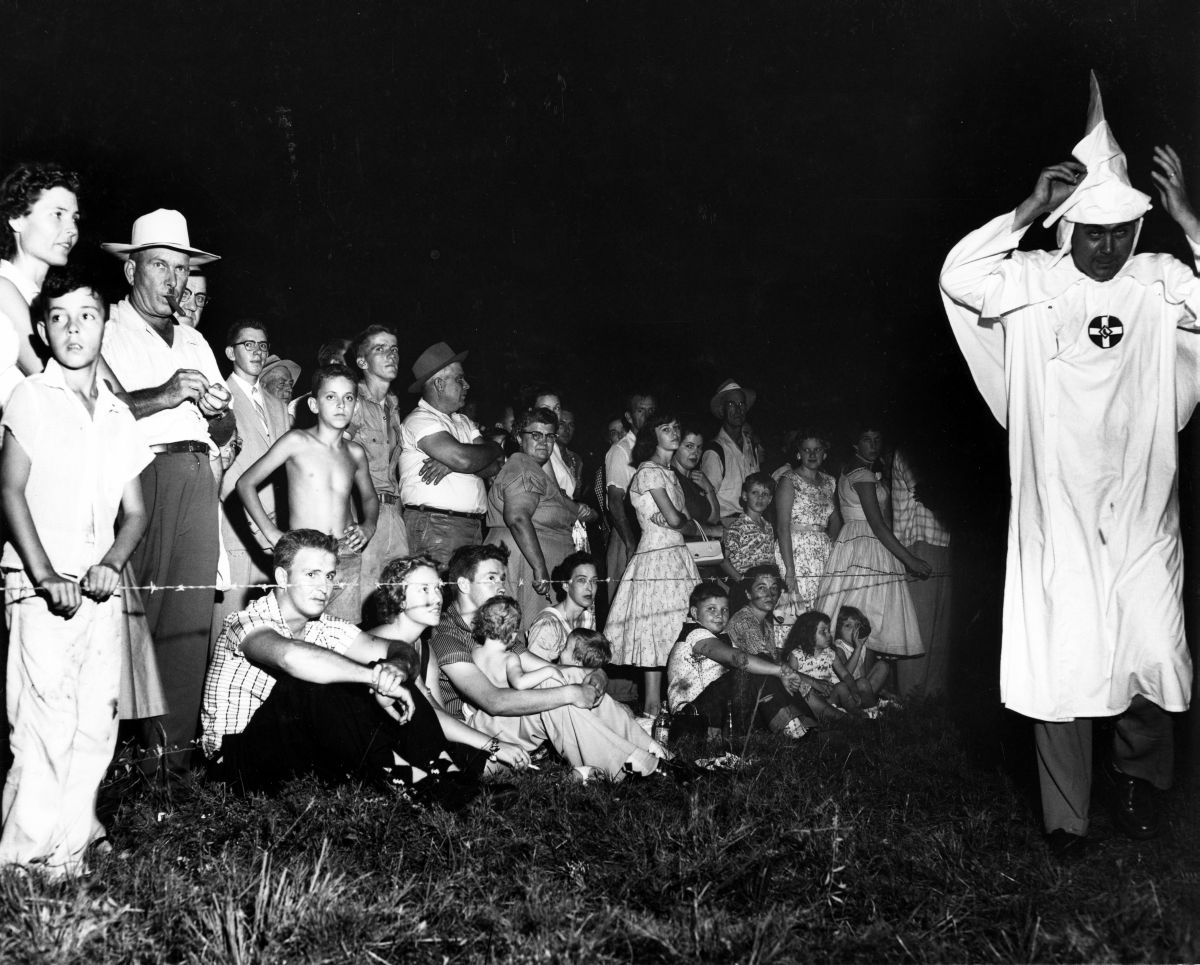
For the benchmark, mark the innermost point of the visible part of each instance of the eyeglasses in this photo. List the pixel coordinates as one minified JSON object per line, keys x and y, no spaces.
{"x":540,"y":436}
{"x":250,"y":345}
{"x":200,"y":299}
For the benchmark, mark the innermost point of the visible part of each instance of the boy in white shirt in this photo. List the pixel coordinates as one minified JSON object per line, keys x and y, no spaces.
{"x":71,"y":457}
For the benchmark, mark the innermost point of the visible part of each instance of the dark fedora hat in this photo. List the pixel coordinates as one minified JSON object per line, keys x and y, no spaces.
{"x":431,"y":361}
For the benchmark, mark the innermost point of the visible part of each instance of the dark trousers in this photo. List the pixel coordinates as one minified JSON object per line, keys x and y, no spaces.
{"x":438,"y":535}
{"x":336,"y":732}
{"x":741,"y":692}
{"x":179,"y":548}
{"x":1143,"y":746}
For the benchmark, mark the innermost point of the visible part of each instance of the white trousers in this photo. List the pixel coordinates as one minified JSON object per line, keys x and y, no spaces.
{"x":63,"y":684}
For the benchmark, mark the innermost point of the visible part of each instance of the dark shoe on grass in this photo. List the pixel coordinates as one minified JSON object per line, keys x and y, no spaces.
{"x":1065,"y":846}
{"x":1134,"y":805}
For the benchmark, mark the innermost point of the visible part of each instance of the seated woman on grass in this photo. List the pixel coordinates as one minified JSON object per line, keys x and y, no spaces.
{"x":574,"y":582}
{"x":826,"y":682}
{"x":699,"y":677}
{"x":410,"y":603}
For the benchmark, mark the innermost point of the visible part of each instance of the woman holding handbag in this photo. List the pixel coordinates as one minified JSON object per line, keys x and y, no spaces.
{"x":652,"y":598}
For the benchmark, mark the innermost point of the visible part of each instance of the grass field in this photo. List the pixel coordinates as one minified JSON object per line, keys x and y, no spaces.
{"x":906,"y":839}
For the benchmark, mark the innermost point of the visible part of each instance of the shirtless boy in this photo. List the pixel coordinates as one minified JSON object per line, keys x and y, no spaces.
{"x":322,"y":469}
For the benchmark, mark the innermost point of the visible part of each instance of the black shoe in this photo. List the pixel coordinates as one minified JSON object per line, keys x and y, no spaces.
{"x":1065,"y":846}
{"x":1134,"y":805}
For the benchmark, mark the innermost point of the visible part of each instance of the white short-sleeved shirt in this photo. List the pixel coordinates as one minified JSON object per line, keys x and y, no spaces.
{"x":79,"y":467}
{"x":234,"y":688}
{"x":460,"y":492}
{"x":141,"y":359}
{"x":618,"y":462}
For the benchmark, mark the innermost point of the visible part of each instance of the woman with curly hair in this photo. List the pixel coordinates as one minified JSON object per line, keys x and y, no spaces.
{"x":410,"y":603}
{"x":39,"y":204}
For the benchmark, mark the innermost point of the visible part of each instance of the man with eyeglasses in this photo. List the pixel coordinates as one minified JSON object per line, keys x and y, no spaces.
{"x":734,"y":453}
{"x":261,"y":419}
{"x":193,"y":300}
{"x":168,"y":376}
{"x":443,"y":459}
{"x":375,"y":425}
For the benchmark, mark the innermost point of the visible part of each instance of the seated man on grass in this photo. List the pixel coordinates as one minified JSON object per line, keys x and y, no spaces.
{"x":290,"y":691}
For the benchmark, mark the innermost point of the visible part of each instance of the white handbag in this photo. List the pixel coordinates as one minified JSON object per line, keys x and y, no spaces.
{"x":705,"y":551}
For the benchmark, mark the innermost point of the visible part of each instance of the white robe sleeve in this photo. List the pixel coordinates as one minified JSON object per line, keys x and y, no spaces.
{"x":972,"y":282}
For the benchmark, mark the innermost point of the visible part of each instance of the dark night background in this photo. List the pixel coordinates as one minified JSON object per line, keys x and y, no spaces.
{"x":609,"y":194}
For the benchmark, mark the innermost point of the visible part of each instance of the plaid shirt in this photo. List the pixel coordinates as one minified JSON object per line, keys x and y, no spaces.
{"x":234,"y":688}
{"x":911,"y":521}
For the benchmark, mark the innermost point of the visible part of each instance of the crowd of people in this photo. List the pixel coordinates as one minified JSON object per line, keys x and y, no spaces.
{"x":348,"y":585}
{"x":270,"y":582}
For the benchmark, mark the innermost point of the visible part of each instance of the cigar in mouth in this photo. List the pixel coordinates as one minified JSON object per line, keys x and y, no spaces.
{"x":174,"y":303}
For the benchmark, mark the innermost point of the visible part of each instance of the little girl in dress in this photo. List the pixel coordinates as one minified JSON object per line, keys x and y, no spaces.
{"x":826,"y":682}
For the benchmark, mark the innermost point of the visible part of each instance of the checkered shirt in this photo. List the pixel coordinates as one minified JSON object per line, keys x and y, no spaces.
{"x":911,"y":521}
{"x":234,"y":688}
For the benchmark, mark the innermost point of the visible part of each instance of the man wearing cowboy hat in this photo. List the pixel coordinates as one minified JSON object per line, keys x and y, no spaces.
{"x":1090,"y":361}
{"x":734,"y":453}
{"x":443,"y":459}
{"x":168,"y":376}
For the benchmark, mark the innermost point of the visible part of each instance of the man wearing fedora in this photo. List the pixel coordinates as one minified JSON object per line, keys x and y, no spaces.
{"x":443,"y":459}
{"x":168,"y":376}
{"x":734,"y":453}
{"x":278,"y":378}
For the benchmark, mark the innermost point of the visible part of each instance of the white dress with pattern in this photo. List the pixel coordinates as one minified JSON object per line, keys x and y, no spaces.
{"x":652,"y":599}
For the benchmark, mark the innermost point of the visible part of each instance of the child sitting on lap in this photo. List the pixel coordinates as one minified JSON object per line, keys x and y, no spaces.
{"x":496,"y":629}
{"x":588,"y":648}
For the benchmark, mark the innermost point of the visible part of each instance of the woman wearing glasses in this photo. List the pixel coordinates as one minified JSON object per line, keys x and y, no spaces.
{"x":528,"y":513}
{"x":806,"y":518}
{"x":652,"y":599}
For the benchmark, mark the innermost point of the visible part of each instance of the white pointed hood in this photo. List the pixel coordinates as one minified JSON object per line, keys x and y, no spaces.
{"x":1104,"y":196}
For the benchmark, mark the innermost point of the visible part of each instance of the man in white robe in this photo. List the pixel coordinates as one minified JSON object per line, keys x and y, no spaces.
{"x":1078,"y":357}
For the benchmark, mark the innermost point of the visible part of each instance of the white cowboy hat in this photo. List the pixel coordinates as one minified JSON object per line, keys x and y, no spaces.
{"x":160,"y":229}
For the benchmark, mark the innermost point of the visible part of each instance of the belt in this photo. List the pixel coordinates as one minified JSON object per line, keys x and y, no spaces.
{"x":388,"y":498}
{"x":171,"y":448}
{"x":445,"y":512}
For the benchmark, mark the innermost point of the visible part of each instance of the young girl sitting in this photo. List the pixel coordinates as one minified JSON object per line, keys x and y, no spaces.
{"x":496,"y":629}
{"x":850,"y":639}
{"x":825,"y":682}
